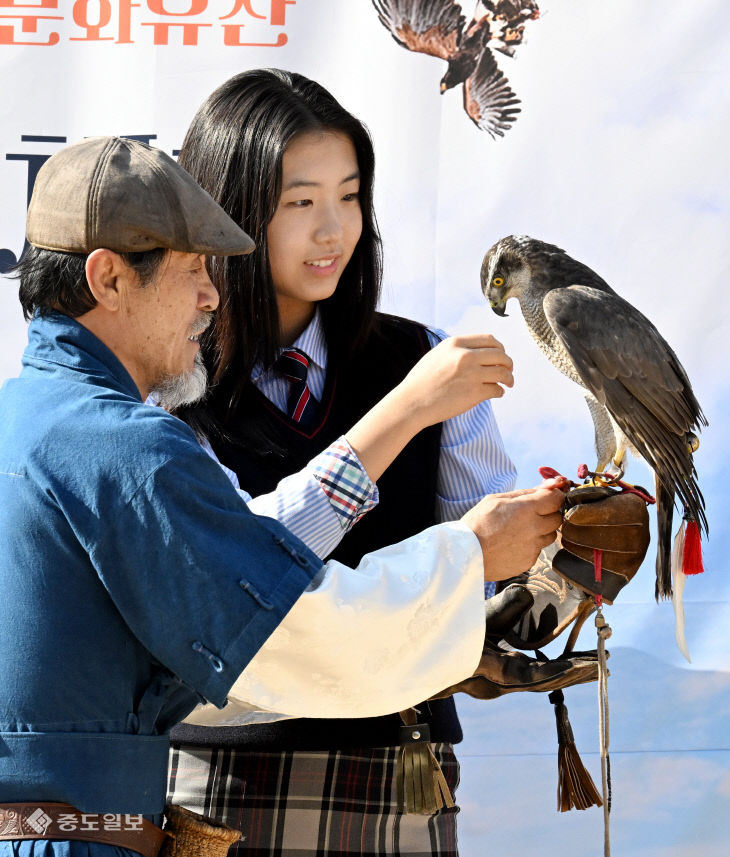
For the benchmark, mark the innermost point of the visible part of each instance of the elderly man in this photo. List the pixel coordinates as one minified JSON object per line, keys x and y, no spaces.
{"x":135,"y":582}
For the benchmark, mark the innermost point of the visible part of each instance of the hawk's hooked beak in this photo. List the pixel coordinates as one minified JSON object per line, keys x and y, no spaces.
{"x":497,"y":302}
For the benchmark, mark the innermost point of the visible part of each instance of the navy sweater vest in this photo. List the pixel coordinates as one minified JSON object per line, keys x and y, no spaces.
{"x":407,"y":505}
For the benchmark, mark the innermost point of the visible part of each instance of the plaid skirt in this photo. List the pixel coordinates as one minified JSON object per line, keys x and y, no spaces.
{"x":308,"y":803}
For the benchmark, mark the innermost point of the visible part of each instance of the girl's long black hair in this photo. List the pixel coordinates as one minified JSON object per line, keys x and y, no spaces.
{"x":234,"y":149}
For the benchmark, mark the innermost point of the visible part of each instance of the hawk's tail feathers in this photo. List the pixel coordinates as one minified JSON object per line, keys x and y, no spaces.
{"x":664,"y":514}
{"x":678,"y":581}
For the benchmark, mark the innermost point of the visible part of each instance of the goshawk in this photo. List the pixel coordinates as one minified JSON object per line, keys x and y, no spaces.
{"x":637,"y":391}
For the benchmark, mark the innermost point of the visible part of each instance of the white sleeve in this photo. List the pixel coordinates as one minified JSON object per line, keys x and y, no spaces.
{"x":403,"y":625}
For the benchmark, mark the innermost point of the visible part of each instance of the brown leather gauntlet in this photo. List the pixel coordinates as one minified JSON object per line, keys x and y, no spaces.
{"x":501,"y":671}
{"x":602,"y":518}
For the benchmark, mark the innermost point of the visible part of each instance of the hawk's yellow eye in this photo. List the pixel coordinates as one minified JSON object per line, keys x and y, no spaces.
{"x":498,"y":281}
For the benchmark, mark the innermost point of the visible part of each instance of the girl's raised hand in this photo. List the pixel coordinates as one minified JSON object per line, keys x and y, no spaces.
{"x":454,"y":376}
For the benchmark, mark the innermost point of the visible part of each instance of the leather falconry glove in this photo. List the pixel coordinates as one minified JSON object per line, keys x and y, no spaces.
{"x":533,"y":609}
{"x":501,"y":671}
{"x":562,"y":581}
{"x":609,"y":520}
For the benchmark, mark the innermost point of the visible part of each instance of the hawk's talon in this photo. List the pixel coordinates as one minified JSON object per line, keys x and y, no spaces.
{"x":607,"y":480}
{"x":592,"y":479}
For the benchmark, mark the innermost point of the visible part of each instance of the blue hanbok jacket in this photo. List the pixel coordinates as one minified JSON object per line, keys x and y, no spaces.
{"x":134,"y":582}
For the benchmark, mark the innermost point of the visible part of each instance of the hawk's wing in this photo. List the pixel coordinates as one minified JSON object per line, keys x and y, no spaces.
{"x":488,"y":99}
{"x":629,"y":367}
{"x":431,"y":27}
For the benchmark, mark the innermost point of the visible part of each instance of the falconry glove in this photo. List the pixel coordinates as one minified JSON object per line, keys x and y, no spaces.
{"x":608,"y":520}
{"x":533,"y":609}
{"x":555,"y":605}
{"x":562,"y":582}
{"x":501,"y":671}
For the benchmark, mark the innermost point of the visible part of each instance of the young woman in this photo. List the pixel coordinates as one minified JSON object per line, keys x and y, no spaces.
{"x":295,"y":169}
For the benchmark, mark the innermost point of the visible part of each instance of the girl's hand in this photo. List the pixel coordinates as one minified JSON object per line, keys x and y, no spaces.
{"x":454,"y":376}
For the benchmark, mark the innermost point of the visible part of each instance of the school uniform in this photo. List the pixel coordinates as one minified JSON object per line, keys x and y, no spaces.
{"x":327,"y":785}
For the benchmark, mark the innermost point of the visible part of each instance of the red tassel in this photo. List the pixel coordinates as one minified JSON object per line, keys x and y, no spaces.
{"x":597,"y":572}
{"x":692,"y":552}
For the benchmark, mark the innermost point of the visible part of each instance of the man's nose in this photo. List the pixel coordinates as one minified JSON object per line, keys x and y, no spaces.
{"x":208,"y":298}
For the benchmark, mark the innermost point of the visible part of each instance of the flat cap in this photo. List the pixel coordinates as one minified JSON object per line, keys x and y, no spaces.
{"x":126,"y":196}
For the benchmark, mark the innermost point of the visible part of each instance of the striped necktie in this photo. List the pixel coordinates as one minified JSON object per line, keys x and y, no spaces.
{"x":301,"y":405}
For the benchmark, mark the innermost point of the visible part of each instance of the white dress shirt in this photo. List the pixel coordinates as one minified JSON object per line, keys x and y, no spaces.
{"x":472,"y":459}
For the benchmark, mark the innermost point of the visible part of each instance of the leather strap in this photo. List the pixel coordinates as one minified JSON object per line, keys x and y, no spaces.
{"x":581,"y":573}
{"x":62,"y":821}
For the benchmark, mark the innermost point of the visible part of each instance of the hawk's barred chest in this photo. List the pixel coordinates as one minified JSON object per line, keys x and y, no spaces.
{"x":547,"y":341}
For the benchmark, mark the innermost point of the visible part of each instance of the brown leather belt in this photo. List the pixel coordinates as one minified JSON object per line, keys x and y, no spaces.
{"x":61,"y":821}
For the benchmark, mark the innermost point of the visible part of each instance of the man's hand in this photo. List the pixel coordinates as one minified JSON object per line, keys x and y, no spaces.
{"x":514,"y":527}
{"x":556,"y":593}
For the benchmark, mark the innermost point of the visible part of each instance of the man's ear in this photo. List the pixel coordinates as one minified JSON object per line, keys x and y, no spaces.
{"x":108,"y":276}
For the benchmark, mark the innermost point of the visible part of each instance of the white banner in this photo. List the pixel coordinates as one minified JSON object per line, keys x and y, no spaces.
{"x":618,"y":155}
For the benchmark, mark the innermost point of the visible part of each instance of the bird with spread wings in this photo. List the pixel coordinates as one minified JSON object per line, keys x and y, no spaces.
{"x":438,"y":28}
{"x":637,"y":391}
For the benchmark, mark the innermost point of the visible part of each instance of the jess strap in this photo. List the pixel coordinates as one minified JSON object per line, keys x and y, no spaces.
{"x":62,"y":821}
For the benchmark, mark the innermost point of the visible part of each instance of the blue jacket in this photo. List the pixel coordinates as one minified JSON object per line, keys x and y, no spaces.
{"x":134,"y":582}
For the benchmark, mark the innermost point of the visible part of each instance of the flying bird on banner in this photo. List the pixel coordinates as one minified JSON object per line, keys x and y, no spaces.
{"x":438,"y":28}
{"x":637,"y":391}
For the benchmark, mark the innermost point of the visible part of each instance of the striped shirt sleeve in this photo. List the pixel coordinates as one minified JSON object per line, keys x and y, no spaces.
{"x":473,"y":461}
{"x":321,"y":502}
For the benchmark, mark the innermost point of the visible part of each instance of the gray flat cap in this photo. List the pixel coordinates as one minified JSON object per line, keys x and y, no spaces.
{"x":126,"y":196}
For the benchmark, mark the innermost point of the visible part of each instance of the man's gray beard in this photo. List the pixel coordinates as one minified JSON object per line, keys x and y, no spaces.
{"x":177,"y":390}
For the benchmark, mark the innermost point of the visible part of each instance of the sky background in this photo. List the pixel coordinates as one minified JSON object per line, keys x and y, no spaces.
{"x":620,"y":157}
